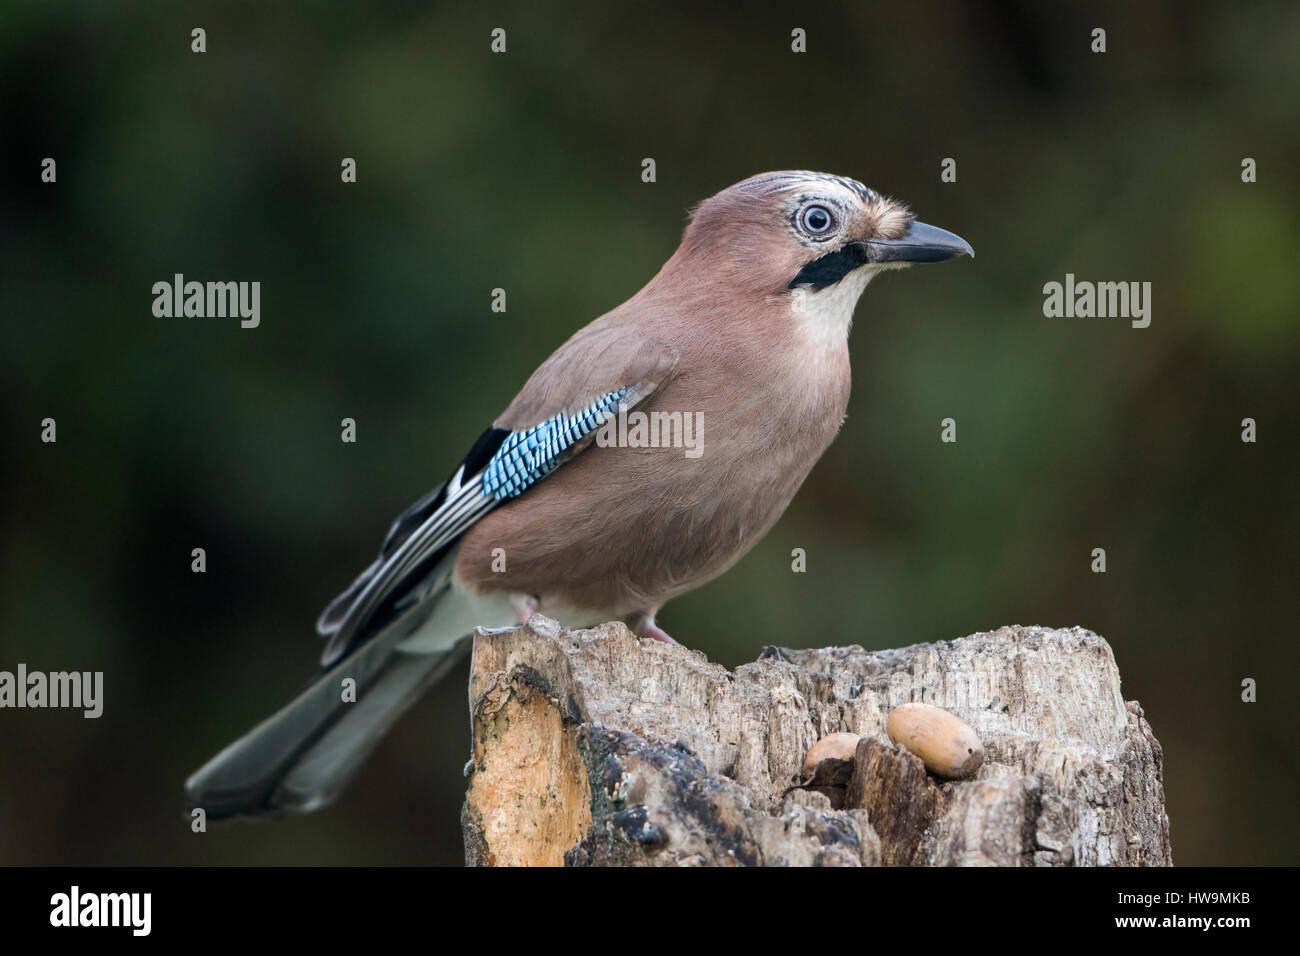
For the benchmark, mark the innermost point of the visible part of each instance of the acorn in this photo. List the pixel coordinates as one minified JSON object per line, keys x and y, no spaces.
{"x":946,"y":746}
{"x":839,"y":746}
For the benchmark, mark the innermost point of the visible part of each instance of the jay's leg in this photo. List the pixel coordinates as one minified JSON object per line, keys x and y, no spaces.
{"x":653,"y":631}
{"x":524,"y":606}
{"x":643,"y":624}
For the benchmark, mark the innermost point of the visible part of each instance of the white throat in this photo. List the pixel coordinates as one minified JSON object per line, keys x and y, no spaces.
{"x":827,"y":315}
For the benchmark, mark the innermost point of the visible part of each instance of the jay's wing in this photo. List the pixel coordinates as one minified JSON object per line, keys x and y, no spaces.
{"x":553,"y":418}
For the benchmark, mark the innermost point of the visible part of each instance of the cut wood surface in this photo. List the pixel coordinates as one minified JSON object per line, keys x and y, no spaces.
{"x":595,"y":748}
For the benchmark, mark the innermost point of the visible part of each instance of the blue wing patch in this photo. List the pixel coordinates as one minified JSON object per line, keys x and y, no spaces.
{"x":528,"y":456}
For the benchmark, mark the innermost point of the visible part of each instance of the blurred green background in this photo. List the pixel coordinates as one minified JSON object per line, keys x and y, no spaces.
{"x":522,"y":171}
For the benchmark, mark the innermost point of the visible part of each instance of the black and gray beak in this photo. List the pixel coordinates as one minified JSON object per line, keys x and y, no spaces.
{"x":921,"y":243}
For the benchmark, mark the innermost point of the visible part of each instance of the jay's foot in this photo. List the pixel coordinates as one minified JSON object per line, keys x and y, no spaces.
{"x":657,"y":633}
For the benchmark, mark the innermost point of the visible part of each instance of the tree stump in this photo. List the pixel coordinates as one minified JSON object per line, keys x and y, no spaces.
{"x":594,"y":748}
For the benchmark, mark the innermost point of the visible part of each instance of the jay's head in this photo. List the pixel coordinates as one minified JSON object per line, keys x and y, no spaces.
{"x":778,"y":233}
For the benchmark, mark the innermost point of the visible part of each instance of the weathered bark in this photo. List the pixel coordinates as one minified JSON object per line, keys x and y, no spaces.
{"x":594,"y":748}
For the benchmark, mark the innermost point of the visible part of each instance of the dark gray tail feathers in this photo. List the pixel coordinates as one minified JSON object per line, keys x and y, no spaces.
{"x":301,"y":757}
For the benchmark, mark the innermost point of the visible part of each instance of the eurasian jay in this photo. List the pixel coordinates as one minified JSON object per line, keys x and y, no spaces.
{"x":745,"y":329}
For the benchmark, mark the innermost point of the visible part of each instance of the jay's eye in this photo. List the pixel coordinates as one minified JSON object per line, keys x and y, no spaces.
{"x":817,"y":220}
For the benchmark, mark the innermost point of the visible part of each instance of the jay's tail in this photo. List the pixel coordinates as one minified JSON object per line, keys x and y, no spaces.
{"x":399,"y":628}
{"x":301,"y":757}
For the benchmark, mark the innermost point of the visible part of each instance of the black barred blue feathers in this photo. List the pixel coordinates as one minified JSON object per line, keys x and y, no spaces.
{"x":526,"y":457}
